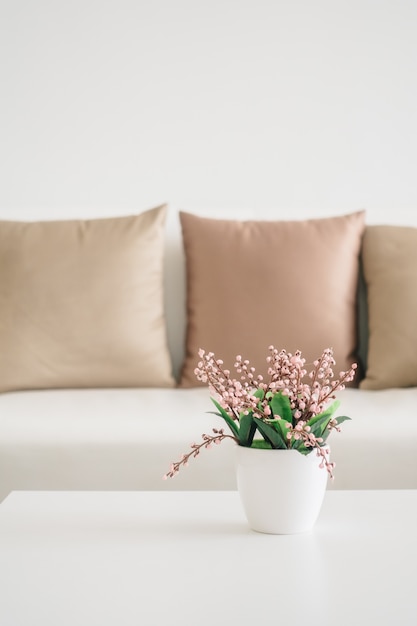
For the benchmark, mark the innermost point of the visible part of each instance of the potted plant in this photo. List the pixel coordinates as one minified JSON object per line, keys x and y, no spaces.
{"x":281,"y":426}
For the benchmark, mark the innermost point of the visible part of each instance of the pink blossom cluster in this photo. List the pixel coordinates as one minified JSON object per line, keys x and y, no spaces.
{"x":286,"y":373}
{"x":207,"y":442}
{"x":308,"y":393}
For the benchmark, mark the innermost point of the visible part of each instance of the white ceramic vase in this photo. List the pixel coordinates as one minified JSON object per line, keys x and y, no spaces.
{"x":281,"y":491}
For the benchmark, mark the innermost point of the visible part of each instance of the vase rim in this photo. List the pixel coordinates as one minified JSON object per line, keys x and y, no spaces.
{"x":273,"y":449}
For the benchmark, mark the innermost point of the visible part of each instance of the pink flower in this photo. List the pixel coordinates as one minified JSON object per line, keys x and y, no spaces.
{"x":307,"y":394}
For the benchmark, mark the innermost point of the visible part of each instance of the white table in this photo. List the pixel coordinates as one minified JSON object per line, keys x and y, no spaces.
{"x":182,"y":558}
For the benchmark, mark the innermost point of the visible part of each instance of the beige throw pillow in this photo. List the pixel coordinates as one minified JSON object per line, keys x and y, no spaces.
{"x":250,"y":284}
{"x":81,"y":303}
{"x":390,"y":272}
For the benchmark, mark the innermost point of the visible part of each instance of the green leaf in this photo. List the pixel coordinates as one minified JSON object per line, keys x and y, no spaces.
{"x":280,"y":426}
{"x":229,"y":421}
{"x":261,"y":444}
{"x":341,"y":418}
{"x":269,"y":433}
{"x":247,"y":429}
{"x":326,"y":413}
{"x":319,"y":427}
{"x":320,"y":422}
{"x":338,"y":420}
{"x":300,"y":446}
{"x":259,"y":393}
{"x":281,"y":406}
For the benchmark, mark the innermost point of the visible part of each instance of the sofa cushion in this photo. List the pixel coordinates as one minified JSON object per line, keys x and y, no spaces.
{"x":81,"y":303}
{"x":250,"y":284}
{"x":390,"y":272}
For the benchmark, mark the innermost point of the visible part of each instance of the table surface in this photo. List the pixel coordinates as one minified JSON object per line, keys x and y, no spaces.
{"x":182,"y":558}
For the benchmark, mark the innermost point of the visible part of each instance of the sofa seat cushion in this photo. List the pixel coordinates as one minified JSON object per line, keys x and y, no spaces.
{"x":107,"y":439}
{"x":127,"y":438}
{"x":377,"y":448}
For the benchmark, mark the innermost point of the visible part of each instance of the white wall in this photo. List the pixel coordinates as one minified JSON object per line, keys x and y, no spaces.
{"x":282,"y":108}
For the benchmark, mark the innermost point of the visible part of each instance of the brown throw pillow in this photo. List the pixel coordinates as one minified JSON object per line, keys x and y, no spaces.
{"x":250,"y":284}
{"x":390,"y":272}
{"x":81,"y":303}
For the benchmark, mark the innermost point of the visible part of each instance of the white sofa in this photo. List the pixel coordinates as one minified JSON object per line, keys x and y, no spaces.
{"x":126,"y":438}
